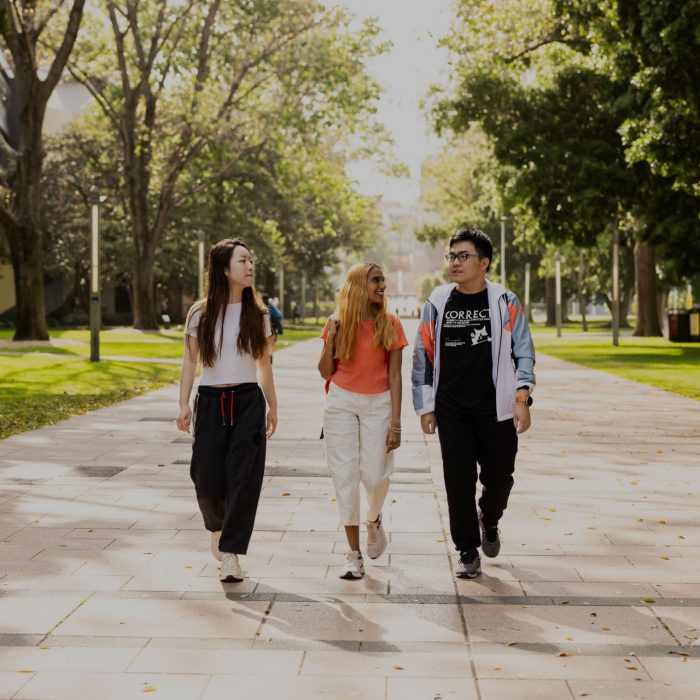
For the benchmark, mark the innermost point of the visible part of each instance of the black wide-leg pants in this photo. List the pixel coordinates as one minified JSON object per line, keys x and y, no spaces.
{"x":228,"y":460}
{"x":467,"y":440}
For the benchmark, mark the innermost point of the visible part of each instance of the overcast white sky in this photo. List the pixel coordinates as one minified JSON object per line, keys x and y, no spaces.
{"x":405,"y":72}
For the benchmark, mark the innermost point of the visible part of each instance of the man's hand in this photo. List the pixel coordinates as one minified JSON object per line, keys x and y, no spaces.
{"x":521,"y":417}
{"x":427,"y":423}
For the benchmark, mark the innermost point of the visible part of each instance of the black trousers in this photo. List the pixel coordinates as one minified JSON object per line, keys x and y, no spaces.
{"x":466,"y":440}
{"x":228,"y":460}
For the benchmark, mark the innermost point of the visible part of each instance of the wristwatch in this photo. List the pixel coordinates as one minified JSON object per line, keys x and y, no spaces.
{"x":524,"y":398}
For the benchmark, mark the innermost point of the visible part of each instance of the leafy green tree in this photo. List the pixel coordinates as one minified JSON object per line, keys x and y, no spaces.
{"x":34,"y":73}
{"x":557,"y":106}
{"x":185,"y":76}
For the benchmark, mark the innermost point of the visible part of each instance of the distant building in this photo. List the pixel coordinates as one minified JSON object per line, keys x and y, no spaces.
{"x":408,"y":258}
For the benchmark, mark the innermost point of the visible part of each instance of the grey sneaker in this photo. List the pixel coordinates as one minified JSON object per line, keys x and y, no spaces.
{"x":376,"y":538}
{"x":490,"y":539}
{"x":215,"y":537}
{"x":230,"y":568}
{"x":354,"y":567}
{"x":469,"y":564}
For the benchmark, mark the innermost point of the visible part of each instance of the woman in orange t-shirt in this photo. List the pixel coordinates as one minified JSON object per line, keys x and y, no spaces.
{"x":362,"y":419}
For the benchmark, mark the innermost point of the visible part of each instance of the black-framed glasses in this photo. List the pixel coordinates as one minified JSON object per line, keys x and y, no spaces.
{"x":462,"y":257}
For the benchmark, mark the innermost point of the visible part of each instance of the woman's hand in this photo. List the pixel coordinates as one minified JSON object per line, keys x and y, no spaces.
{"x":393,"y":440}
{"x":334,"y":322}
{"x":271,"y":424}
{"x":184,"y":418}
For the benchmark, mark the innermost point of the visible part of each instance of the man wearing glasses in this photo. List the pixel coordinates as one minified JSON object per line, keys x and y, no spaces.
{"x":473,"y":363}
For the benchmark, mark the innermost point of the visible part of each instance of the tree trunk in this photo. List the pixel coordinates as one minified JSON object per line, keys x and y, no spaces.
{"x":581,"y":291}
{"x":645,"y":281}
{"x":551,"y":300}
{"x":661,"y":308}
{"x":26,"y":94}
{"x":625,"y":303}
{"x":565,"y":309}
{"x":26,"y":248}
{"x":144,"y":297}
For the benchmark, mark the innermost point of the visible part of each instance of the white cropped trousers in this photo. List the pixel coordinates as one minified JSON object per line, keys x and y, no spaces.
{"x":355,"y":427}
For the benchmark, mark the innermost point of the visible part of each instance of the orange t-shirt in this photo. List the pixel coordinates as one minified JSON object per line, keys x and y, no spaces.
{"x":368,"y":371}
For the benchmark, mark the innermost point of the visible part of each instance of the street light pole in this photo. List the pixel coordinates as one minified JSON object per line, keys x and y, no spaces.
{"x":95,"y":301}
{"x":503,"y":250}
{"x":200,"y":265}
{"x":558,"y":292}
{"x":527,"y":291}
{"x":616,"y":286}
{"x":281,"y":283}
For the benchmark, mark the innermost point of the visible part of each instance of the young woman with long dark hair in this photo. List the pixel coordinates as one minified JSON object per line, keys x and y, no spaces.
{"x":230,"y":330}
{"x":362,"y":418}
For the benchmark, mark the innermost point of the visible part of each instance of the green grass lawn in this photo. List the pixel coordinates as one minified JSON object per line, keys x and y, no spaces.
{"x":128,"y":343}
{"x":38,"y":390}
{"x":656,"y":361}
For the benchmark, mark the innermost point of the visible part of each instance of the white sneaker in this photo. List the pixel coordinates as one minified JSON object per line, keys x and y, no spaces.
{"x":354,"y":568}
{"x":376,"y":538}
{"x":230,"y":568}
{"x":215,"y":537}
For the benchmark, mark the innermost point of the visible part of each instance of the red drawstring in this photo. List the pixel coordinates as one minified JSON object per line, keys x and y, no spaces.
{"x":223,"y":408}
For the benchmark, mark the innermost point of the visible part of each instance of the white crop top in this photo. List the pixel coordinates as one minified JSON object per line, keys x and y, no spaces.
{"x":231,"y":367}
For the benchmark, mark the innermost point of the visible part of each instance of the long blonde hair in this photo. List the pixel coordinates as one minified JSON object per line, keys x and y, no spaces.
{"x":351,"y":306}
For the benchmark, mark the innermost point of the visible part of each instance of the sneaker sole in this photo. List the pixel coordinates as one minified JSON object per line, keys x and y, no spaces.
{"x":351,"y":577}
{"x":230,"y":579}
{"x":468,"y":576}
{"x":490,"y":553}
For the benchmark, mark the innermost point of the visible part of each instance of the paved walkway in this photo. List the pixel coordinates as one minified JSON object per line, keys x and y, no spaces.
{"x":107,"y":587}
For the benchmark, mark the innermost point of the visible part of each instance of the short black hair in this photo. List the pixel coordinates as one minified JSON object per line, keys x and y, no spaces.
{"x":265,"y":298}
{"x":481,"y":242}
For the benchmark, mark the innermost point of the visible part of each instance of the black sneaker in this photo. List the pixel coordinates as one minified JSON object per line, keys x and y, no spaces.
{"x":490,"y":539}
{"x":469,"y":564}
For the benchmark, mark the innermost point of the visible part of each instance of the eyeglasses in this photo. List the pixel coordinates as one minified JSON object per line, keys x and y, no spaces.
{"x":462,"y":257}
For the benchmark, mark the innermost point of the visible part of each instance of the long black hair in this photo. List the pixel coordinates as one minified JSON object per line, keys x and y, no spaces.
{"x":251,"y":335}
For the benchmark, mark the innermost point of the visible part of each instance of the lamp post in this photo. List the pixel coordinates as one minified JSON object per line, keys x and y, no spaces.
{"x":527,"y":291}
{"x":95,"y":200}
{"x":281,"y":284}
{"x":503,"y":250}
{"x":557,"y":264}
{"x":616,"y":287}
{"x":200,"y":265}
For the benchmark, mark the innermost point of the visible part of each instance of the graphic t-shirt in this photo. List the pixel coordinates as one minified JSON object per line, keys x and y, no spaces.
{"x":466,"y":380}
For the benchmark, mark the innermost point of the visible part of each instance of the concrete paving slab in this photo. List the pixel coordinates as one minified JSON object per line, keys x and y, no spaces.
{"x":620,"y":690}
{"x":295,"y":687}
{"x":11,"y":682}
{"x":399,"y":688}
{"x":111,"y":686}
{"x":492,"y":689}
